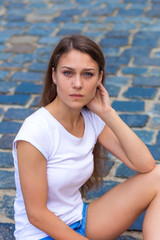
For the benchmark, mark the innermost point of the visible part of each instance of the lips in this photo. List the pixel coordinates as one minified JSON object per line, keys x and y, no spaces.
{"x":76,"y":95}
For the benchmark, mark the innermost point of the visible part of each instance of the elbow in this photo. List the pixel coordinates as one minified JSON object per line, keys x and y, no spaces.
{"x":35,"y":217}
{"x":150,"y":165}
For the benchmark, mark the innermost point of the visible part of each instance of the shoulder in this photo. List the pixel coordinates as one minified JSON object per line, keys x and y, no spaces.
{"x":39,"y":130}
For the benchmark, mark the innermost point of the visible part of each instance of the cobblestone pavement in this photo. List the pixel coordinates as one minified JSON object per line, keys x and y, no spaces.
{"x":129,"y":34}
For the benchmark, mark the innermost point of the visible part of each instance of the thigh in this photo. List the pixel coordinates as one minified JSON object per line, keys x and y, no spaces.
{"x":115,"y":211}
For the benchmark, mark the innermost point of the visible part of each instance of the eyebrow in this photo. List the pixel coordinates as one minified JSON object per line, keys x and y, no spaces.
{"x":85,"y":69}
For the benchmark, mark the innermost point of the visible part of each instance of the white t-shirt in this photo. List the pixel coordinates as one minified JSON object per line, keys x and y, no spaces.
{"x":69,"y":165}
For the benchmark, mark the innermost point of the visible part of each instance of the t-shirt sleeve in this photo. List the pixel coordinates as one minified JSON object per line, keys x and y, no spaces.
{"x":36,"y":134}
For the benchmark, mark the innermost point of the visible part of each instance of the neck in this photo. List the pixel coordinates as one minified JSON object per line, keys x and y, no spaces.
{"x":64,"y":114}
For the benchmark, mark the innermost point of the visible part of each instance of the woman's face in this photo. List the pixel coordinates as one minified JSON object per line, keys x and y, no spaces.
{"x":77,"y":77}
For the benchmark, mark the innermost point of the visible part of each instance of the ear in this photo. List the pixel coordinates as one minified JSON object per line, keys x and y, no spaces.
{"x":100,"y":78}
{"x":54,"y":76}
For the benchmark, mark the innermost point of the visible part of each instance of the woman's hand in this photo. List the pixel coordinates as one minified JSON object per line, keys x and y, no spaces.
{"x":100,"y":104}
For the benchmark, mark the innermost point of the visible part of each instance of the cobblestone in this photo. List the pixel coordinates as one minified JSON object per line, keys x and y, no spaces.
{"x":129,"y":34}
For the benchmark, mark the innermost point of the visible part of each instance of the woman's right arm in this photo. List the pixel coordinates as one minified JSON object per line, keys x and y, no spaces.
{"x":33,"y":179}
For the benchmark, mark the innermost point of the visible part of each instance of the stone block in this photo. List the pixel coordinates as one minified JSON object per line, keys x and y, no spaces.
{"x":100,"y":11}
{"x":92,"y":194}
{"x":23,"y":39}
{"x":135,"y":1}
{"x":155,"y":151}
{"x":29,"y":88}
{"x":44,"y":50}
{"x":117,"y":81}
{"x":14,"y":25}
{"x":17,"y":113}
{"x":63,"y":32}
{"x":130,"y":12}
{"x":12,"y":65}
{"x":141,"y":6}
{"x":27,"y":76}
{"x":137,"y":52}
{"x":115,"y":20}
{"x":140,"y":93}
{"x":117,"y":60}
{"x":146,"y":81}
{"x":156,"y":109}
{"x":158,"y":139}
{"x":14,"y":99}
{"x":145,"y":135}
{"x":111,"y":69}
{"x":112,"y":90}
{"x":39,"y":32}
{"x":6,"y":141}
{"x":128,"y":106}
{"x":123,"y":26}
{"x":6,"y":206}
{"x":6,"y":160}
{"x":153,"y":13}
{"x":94,"y":34}
{"x":147,"y":61}
{"x":111,"y":51}
{"x":124,"y":172}
{"x":23,"y":57}
{"x":155,"y":72}
{"x":3,"y":75}
{"x":125,"y":238}
{"x":72,"y":11}
{"x":1,"y":111}
{"x":49,"y":40}
{"x":114,"y":42}
{"x":35,"y":102}
{"x":145,"y":39}
{"x":15,"y":18}
{"x":155,"y":122}
{"x":5,"y":56}
{"x":116,"y":6}
{"x":9,"y":127}
{"x":7,"y":180}
{"x":7,"y":87}
{"x":145,"y":42}
{"x":4,"y":39}
{"x":117,"y":34}
{"x":38,"y":67}
{"x":150,"y":27}
{"x":2,"y":47}
{"x":7,"y":230}
{"x":134,"y":70}
{"x":21,"y":48}
{"x":15,"y":5}
{"x":135,"y":120}
{"x":62,"y":18}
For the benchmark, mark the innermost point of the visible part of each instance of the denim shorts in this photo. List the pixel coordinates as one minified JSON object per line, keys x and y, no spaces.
{"x":80,"y":226}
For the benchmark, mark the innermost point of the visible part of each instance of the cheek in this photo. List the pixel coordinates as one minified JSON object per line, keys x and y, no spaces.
{"x":92,"y":92}
{"x":93,"y":89}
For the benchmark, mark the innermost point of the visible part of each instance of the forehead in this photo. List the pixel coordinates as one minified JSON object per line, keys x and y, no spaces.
{"x":75,"y":58}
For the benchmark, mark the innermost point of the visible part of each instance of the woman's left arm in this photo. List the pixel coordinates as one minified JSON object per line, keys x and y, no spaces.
{"x":118,"y":138}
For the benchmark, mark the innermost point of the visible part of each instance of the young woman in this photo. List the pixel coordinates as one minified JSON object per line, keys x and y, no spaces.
{"x":53,"y":155}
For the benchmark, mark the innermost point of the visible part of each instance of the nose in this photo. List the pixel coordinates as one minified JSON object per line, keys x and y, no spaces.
{"x":77,"y":82}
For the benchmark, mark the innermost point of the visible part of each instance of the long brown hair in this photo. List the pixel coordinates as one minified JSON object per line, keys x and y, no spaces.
{"x":85,"y":45}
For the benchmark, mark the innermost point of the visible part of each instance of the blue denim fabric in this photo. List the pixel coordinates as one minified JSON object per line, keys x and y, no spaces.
{"x":80,"y":226}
